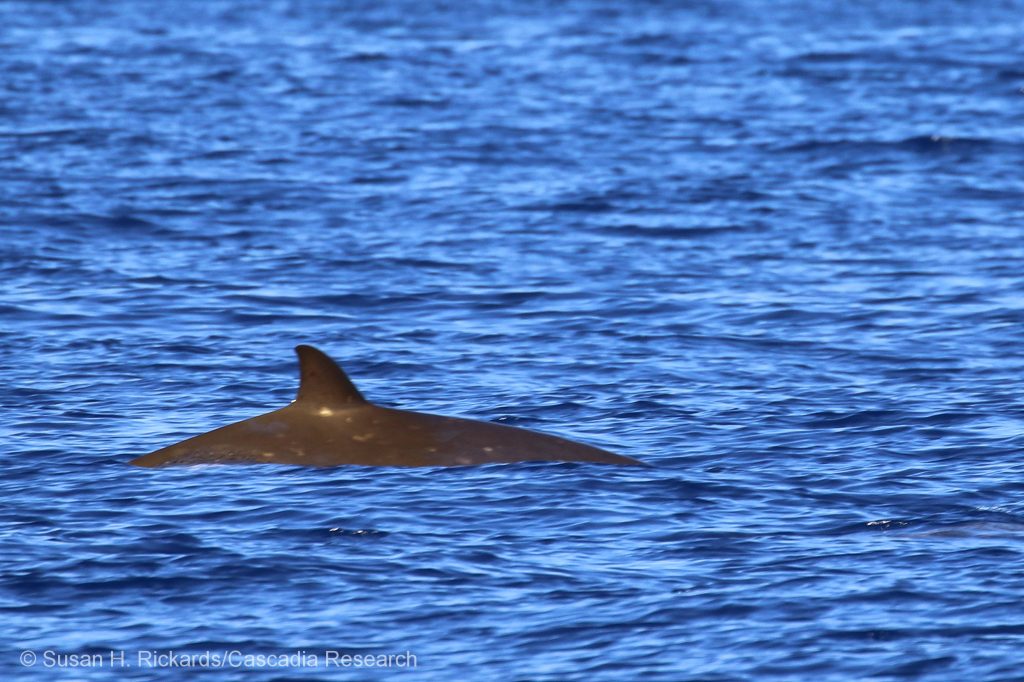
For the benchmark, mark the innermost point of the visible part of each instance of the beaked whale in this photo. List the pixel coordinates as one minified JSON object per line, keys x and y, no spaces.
{"x":330,"y":423}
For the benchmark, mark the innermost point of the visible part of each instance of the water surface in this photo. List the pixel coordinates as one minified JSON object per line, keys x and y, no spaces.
{"x":772,"y":249}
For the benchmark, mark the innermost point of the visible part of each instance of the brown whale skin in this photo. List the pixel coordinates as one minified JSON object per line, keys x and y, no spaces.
{"x":330,"y":423}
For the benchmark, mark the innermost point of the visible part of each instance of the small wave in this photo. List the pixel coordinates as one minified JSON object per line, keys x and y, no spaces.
{"x":919,"y":144}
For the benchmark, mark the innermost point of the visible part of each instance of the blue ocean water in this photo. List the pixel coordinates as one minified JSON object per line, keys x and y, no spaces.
{"x":773,"y":249}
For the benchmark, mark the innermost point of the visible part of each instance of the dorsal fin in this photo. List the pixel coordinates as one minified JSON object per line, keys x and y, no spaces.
{"x":322,"y":382}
